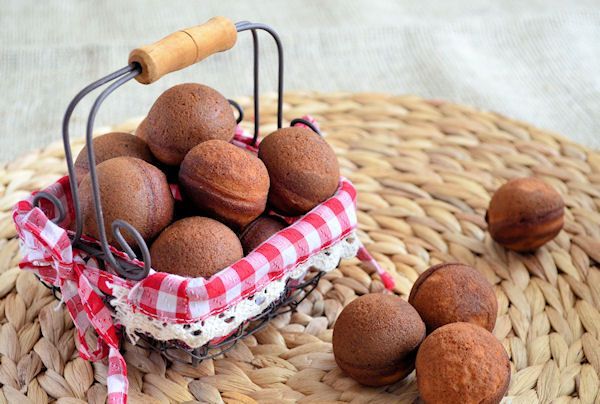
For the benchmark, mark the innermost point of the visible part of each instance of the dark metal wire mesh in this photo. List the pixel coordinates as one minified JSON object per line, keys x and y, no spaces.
{"x":293,"y":295}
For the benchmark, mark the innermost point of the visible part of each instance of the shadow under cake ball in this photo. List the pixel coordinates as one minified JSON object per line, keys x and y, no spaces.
{"x":225,"y":181}
{"x":259,"y":231}
{"x":375,"y":339}
{"x":303,"y":168}
{"x":462,"y":363}
{"x":185,"y":116}
{"x":452,"y":292}
{"x":195,"y":246}
{"x":131,"y":190}
{"x":524,"y":214}
{"x":111,"y":145}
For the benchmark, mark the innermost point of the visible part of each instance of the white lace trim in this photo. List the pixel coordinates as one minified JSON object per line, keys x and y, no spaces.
{"x":197,"y":334}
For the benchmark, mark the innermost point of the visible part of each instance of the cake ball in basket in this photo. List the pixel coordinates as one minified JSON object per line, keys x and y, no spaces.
{"x":225,"y":182}
{"x":195,"y":246}
{"x":131,"y":190}
{"x":141,"y":131}
{"x":375,"y":339}
{"x":453,"y":292}
{"x":184,"y":116}
{"x":303,"y":168}
{"x":111,"y":145}
{"x":259,"y":231}
{"x":462,"y":363}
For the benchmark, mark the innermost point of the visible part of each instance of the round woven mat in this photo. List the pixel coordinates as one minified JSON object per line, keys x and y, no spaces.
{"x":425,"y":171}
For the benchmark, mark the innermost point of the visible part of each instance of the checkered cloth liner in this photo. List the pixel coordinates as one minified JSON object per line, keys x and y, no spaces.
{"x":47,"y":251}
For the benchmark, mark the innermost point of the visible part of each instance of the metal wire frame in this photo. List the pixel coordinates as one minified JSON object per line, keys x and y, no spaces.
{"x":55,"y":289}
{"x":122,"y":267}
{"x":293,"y":295}
{"x":311,"y":126}
{"x":239,"y":110}
{"x":253,"y":27}
{"x":55,"y":202}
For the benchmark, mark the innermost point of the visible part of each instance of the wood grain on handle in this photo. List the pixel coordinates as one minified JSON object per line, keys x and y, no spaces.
{"x":184,"y":48}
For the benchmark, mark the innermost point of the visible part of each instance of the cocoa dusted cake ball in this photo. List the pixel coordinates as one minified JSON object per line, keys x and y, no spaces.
{"x":185,"y":116}
{"x":449,"y":293}
{"x":259,"y":231}
{"x":303,"y":168}
{"x":195,"y":246}
{"x":225,"y":181}
{"x":110,"y":145}
{"x":131,"y":190}
{"x":524,"y":214}
{"x":462,"y":363}
{"x":375,"y":339}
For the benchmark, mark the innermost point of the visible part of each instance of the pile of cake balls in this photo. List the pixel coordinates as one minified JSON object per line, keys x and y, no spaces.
{"x":232,"y":200}
{"x":444,"y":331}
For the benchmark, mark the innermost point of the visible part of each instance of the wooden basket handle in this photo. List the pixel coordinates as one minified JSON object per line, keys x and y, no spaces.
{"x":183,"y":48}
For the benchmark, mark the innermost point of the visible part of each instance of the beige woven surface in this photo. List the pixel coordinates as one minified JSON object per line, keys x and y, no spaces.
{"x":425,"y":171}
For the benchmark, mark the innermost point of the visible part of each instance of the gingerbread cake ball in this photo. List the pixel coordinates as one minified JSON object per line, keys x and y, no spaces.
{"x":303,"y":168}
{"x":259,"y":231}
{"x":112,"y":145}
{"x":131,"y":190}
{"x":185,"y":116}
{"x":225,"y":181}
{"x":524,"y":214}
{"x":462,"y":363}
{"x":452,"y":292}
{"x":195,"y":246}
{"x":375,"y":339}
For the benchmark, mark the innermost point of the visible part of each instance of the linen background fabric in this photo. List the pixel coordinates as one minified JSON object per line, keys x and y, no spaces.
{"x":536,"y":60}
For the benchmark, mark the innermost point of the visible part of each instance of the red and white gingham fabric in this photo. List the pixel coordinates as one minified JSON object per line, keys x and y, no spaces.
{"x":47,"y":252}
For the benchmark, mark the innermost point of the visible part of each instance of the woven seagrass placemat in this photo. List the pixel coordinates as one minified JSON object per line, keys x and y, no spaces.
{"x":425,"y":171}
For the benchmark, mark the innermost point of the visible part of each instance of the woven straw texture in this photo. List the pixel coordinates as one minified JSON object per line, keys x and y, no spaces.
{"x":425,"y":171}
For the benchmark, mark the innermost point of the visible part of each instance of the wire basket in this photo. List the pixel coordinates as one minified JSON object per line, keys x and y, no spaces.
{"x":117,"y":294}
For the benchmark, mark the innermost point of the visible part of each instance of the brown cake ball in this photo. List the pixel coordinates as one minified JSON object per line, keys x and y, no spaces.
{"x":259,"y":231}
{"x":131,"y":190}
{"x":112,"y":145}
{"x":449,"y":293}
{"x":462,"y":363}
{"x":185,"y":116}
{"x":524,"y":214}
{"x":375,"y":339}
{"x":141,"y":130}
{"x":225,"y":181}
{"x":195,"y":246}
{"x":303,"y":168}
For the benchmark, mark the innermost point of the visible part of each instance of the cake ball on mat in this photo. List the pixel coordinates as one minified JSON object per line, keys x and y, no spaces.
{"x":225,"y":181}
{"x":131,"y":190}
{"x":462,"y":363}
{"x":111,"y":145}
{"x":303,"y":168}
{"x":259,"y":231}
{"x":195,"y":246}
{"x":375,"y":339}
{"x":524,"y":214}
{"x":185,"y":116}
{"x":452,"y":292}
